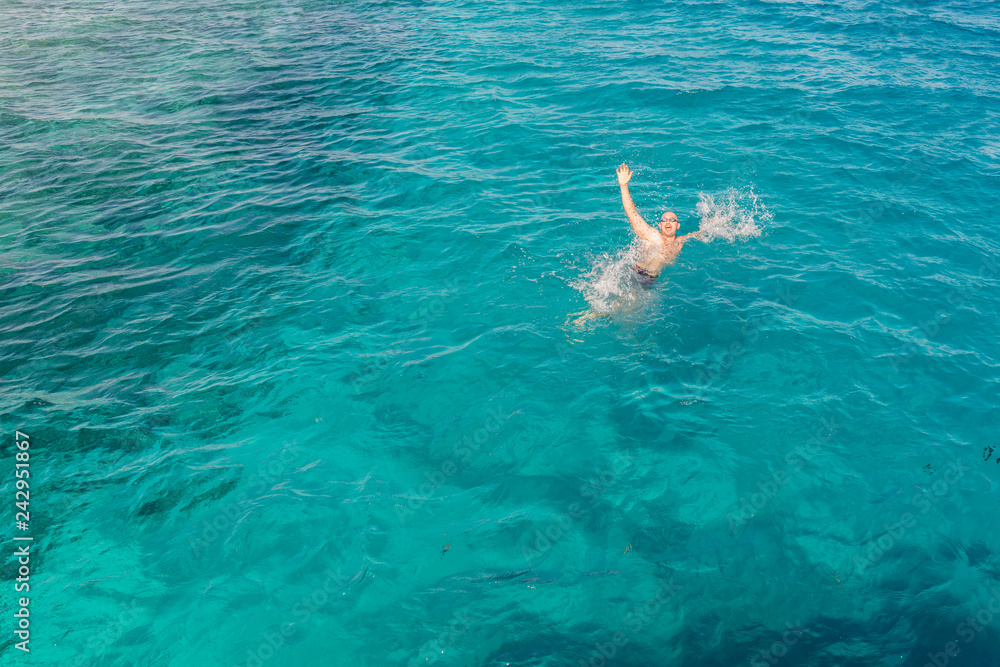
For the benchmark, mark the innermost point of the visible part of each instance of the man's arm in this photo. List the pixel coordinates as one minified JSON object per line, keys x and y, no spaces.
{"x":640,"y":226}
{"x":688,"y":237}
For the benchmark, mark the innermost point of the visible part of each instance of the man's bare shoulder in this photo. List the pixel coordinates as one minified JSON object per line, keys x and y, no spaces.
{"x":654,"y":241}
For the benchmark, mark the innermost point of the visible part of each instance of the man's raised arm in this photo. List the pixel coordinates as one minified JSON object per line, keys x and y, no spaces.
{"x":640,"y":226}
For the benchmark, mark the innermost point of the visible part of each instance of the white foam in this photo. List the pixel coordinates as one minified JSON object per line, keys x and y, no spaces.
{"x":609,"y":285}
{"x":731,"y":215}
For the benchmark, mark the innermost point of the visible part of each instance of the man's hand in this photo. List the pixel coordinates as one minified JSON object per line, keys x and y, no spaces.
{"x":645,"y":232}
{"x":624,"y":174}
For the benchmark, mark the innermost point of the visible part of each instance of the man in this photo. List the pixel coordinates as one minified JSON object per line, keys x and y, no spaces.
{"x":660,"y":246}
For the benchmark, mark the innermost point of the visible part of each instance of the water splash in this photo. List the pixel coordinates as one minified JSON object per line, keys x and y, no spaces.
{"x":609,"y":285}
{"x":732,"y":215}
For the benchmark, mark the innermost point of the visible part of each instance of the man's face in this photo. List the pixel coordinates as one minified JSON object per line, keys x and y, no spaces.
{"x":669,"y":223}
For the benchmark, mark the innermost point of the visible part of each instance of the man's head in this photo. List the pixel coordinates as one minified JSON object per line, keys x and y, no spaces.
{"x":669,"y":224}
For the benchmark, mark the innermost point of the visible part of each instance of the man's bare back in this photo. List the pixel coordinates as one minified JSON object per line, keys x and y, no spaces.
{"x":660,"y":247}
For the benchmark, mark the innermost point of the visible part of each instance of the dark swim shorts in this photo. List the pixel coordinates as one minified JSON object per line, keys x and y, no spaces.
{"x":645,"y":278}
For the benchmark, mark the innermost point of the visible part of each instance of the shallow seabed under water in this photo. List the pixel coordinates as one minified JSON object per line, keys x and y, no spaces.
{"x":320,"y":321}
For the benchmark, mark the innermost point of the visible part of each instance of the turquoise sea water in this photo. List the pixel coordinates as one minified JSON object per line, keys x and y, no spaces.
{"x":319,"y":320}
